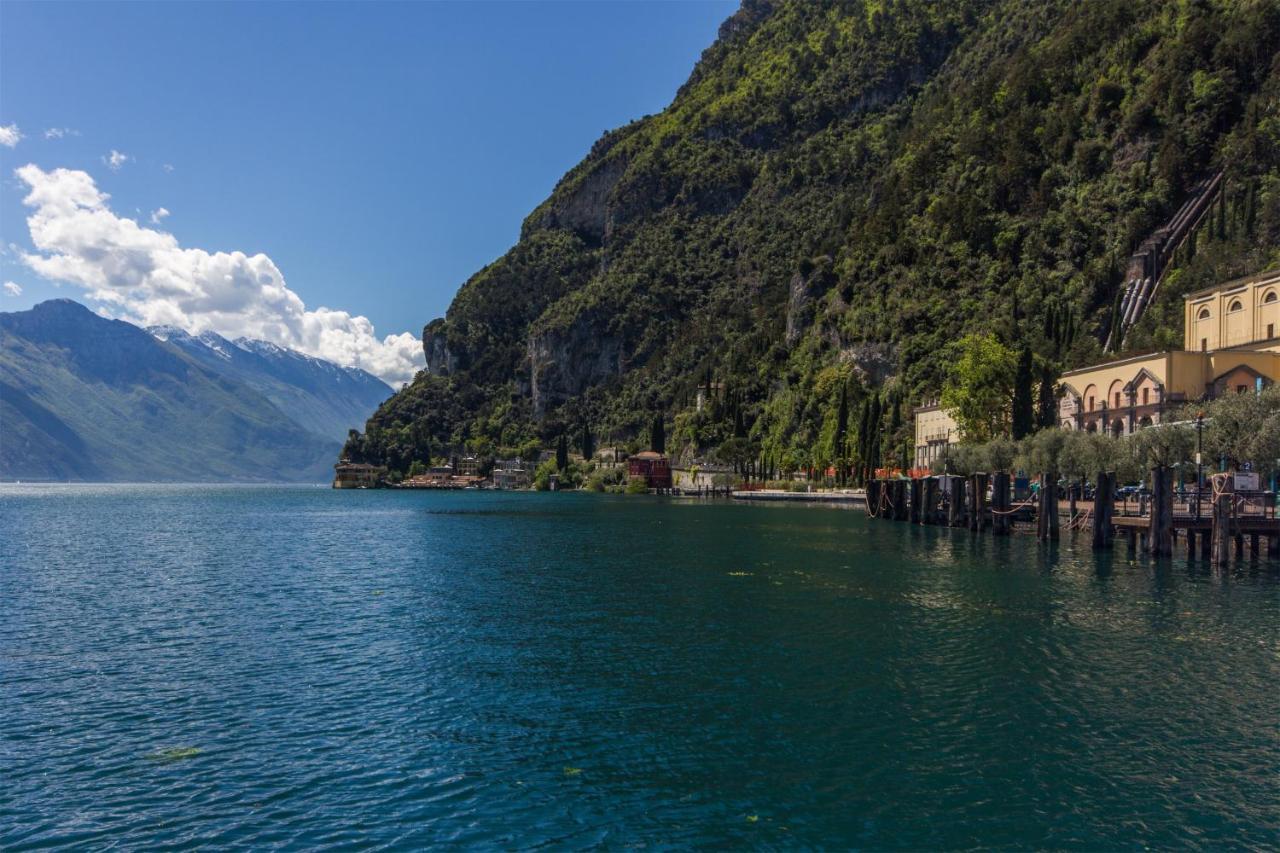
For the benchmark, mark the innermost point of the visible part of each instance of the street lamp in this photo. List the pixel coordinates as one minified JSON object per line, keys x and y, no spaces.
{"x":1199,"y":466}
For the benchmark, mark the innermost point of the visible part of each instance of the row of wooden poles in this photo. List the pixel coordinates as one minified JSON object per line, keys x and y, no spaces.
{"x":953,"y":501}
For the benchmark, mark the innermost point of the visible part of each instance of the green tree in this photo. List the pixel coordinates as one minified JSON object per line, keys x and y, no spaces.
{"x":979,"y":387}
{"x":588,"y":443}
{"x":562,"y":453}
{"x":1047,"y":405}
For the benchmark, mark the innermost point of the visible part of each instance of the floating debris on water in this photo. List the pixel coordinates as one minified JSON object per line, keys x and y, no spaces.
{"x":752,"y":818}
{"x":174,"y":753}
{"x":573,"y":771}
{"x":377,"y":592}
{"x":740,"y":574}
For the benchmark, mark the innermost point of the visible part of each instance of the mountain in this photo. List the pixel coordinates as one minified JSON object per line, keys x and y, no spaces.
{"x":323,"y":397}
{"x":86,"y":398}
{"x":838,"y":193}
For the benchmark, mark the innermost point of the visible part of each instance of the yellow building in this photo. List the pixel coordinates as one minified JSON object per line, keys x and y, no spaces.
{"x":1230,"y":345}
{"x":935,"y":429}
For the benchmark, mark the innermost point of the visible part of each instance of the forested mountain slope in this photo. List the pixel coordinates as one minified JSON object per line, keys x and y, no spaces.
{"x":86,"y":398}
{"x":838,"y":193}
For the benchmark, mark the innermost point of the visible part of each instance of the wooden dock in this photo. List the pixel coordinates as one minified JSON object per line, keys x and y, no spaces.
{"x":1221,"y":526}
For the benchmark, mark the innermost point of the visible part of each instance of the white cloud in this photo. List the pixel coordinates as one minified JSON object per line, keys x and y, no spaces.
{"x":158,"y":214}
{"x":10,"y":135}
{"x":143,"y":275}
{"x":115,"y":160}
{"x":59,"y":132}
{"x":13,"y":288}
{"x":168,"y":167}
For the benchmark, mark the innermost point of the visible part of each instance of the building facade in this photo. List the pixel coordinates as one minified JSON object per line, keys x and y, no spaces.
{"x":935,"y":429}
{"x":1230,"y":345}
{"x":653,"y":468}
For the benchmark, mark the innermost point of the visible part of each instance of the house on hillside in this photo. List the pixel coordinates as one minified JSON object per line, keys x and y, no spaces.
{"x":511,"y":474}
{"x":356,"y":475}
{"x":935,"y":429}
{"x":653,"y":468}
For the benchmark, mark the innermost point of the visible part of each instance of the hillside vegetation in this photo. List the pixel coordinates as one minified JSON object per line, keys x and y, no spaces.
{"x":838,"y":194}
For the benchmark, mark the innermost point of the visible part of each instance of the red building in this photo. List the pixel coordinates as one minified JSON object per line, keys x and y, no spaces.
{"x":654,"y":468}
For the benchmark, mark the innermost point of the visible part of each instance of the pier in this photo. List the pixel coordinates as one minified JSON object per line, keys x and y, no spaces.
{"x":1220,"y":524}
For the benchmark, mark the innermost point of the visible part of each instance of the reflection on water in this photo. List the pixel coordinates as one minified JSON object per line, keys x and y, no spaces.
{"x":286,"y":666}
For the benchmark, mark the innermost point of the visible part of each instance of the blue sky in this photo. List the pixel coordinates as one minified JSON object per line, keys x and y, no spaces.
{"x":379,"y":154}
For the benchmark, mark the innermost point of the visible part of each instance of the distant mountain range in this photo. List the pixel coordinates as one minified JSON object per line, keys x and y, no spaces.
{"x":86,"y":398}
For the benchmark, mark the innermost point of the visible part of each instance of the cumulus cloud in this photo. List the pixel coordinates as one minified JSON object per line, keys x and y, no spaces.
{"x":13,"y":288}
{"x":143,"y":275}
{"x":168,"y":167}
{"x":115,"y":160}
{"x":158,"y":214}
{"x":10,"y":135}
{"x":59,"y":132}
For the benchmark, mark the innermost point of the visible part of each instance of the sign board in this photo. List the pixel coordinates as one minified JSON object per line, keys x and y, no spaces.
{"x":1246,"y":481}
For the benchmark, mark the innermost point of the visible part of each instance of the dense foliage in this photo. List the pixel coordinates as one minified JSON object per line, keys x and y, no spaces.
{"x":778,"y":263}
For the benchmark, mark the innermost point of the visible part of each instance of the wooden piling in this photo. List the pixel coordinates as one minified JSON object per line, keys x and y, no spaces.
{"x":1160,"y":529}
{"x":1223,"y":509}
{"x":873,"y":498}
{"x":1103,"y":507}
{"x":1047,"y":515}
{"x":1191,"y":544}
{"x":1001,"y":520}
{"x":929,"y":509}
{"x":955,"y":501}
{"x":917,"y":499}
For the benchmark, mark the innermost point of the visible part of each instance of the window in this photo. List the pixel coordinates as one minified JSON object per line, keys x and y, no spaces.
{"x":1271,"y":330}
{"x":1269,"y":298}
{"x":1091,"y":401}
{"x":1146,"y":396}
{"x":1235,"y":305}
{"x":1240,"y":388}
{"x":1204,"y":345}
{"x":1203,"y":315}
{"x":1117,"y":399}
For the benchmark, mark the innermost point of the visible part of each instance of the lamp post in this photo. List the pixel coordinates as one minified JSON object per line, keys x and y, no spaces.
{"x":1199,"y":466}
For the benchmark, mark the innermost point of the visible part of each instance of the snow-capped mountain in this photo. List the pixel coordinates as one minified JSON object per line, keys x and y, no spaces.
{"x":325,"y":398}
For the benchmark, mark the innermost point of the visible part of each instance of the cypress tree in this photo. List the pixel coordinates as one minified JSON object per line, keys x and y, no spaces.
{"x":1023,"y":411}
{"x":658,"y":435}
{"x":588,"y":443}
{"x":562,"y":453}
{"x":842,"y":428}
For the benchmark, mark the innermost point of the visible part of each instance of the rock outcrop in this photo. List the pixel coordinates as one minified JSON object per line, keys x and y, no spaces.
{"x":565,"y":362}
{"x":435,"y":346}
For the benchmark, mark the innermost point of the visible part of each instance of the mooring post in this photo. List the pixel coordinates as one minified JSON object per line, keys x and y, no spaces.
{"x":1001,"y":521}
{"x":873,"y":498}
{"x":929,"y":507}
{"x":980,"y":498}
{"x":955,"y":501}
{"x":1103,"y":501}
{"x":1224,"y":499}
{"x":972,"y":506}
{"x":1047,"y":516}
{"x":917,"y":499}
{"x":1160,"y":525}
{"x":1253,"y":545}
{"x":1273,"y":546}
{"x":1191,"y":543}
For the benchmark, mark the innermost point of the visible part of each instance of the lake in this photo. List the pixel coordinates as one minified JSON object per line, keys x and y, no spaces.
{"x":287,"y":666}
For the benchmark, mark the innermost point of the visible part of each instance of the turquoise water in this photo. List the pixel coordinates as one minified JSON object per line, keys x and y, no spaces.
{"x":300,"y":667}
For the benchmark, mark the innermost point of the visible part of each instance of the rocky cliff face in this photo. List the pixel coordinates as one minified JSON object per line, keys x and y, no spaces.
{"x":564,"y":363}
{"x":435,"y":345}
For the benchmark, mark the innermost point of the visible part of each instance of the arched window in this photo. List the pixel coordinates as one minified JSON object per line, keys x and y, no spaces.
{"x":1203,"y":315}
{"x":1235,"y":305}
{"x":1270,"y":297}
